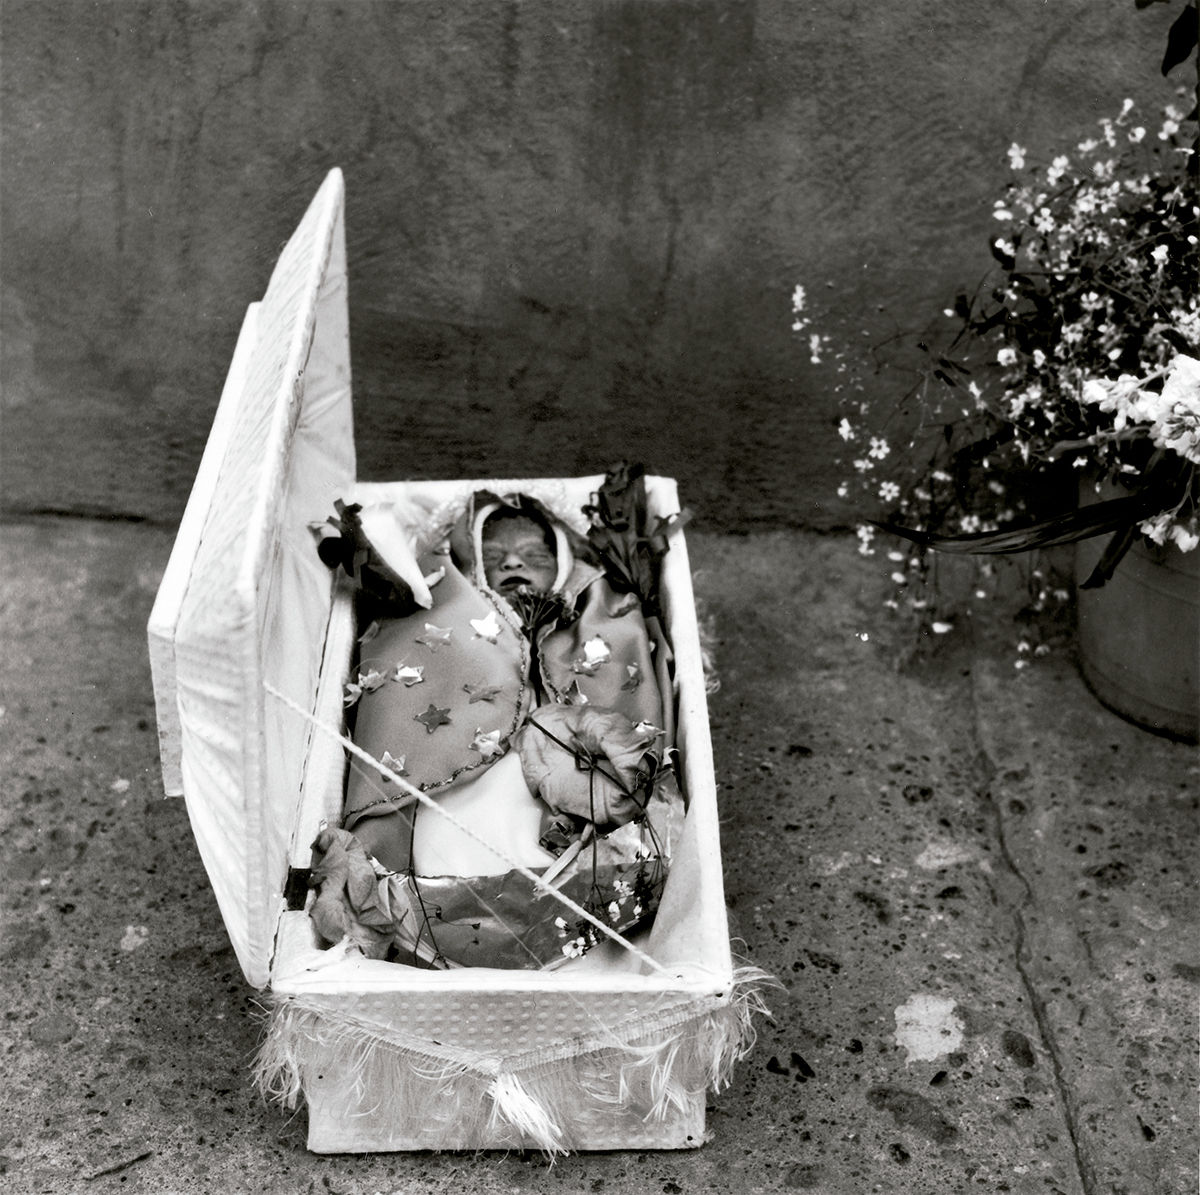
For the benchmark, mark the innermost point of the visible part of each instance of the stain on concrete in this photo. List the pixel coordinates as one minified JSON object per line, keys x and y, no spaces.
{"x":805,"y":1177}
{"x":135,"y":937}
{"x":938,"y":855}
{"x":53,"y":1029}
{"x":928,"y":1027}
{"x":913,"y":1111}
{"x":1113,"y":874}
{"x":829,"y":865}
{"x":1019,"y":1048}
{"x":876,"y":904}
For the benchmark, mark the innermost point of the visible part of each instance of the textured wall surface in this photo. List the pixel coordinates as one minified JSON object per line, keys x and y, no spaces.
{"x":573,"y":228}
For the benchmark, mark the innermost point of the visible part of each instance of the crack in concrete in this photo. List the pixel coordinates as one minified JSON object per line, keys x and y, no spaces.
{"x":988,"y":772}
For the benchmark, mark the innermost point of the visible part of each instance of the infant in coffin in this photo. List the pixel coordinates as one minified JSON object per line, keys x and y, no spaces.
{"x":532,"y":701}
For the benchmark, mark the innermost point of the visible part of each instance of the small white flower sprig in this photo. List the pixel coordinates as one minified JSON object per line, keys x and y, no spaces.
{"x":1081,"y":349}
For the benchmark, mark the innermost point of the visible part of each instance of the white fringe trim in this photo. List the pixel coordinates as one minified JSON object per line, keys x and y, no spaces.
{"x":433,"y":1096}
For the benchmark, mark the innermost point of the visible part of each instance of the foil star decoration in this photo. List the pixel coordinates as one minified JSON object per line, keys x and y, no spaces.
{"x":481,"y":692}
{"x":367,"y":682}
{"x":647,"y":729}
{"x":435,"y":636}
{"x":487,"y":628}
{"x":433,"y":717}
{"x":487,"y":743}
{"x":595,"y":654}
{"x":634,"y":679}
{"x":396,"y":764}
{"x":371,"y":680}
{"x":575,"y":695}
{"x":409,"y":674}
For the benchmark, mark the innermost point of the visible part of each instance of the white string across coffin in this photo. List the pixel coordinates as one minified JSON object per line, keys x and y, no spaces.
{"x":416,"y":794}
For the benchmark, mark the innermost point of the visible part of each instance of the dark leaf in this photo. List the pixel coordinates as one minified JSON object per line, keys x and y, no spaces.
{"x":1115,"y":514}
{"x":1110,"y":558}
{"x":953,"y":366}
{"x":987,"y":324}
{"x":1182,"y":38}
{"x":943,"y":376}
{"x":1023,"y":283}
{"x":629,"y":549}
{"x":1140,"y":4}
{"x":962,"y":305}
{"x":1176,"y":339}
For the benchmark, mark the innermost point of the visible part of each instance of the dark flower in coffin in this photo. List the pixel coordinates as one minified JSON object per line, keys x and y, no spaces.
{"x":629,"y":543}
{"x":342,"y":541}
{"x":537,"y":608}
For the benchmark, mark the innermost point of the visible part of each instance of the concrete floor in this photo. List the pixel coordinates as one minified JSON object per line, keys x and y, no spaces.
{"x":976,"y":885}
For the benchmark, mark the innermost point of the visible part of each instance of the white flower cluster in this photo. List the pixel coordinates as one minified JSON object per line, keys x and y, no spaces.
{"x":818,"y":342}
{"x":1082,"y":347}
{"x":1172,"y":415}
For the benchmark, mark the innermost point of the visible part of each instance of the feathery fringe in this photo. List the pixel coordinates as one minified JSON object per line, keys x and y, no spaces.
{"x":444,"y":1097}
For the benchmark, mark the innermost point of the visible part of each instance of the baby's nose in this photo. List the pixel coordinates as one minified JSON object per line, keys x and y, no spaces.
{"x":512,"y":559}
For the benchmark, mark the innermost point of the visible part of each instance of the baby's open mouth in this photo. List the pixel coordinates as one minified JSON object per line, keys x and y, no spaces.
{"x":512,"y":582}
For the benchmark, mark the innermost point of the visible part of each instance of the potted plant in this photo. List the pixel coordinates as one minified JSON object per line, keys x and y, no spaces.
{"x":1073,"y":372}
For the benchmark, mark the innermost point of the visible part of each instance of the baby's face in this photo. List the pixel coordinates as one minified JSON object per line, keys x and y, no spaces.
{"x":515,"y":553}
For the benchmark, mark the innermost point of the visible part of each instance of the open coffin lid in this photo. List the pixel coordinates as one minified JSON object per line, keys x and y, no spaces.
{"x":246,"y":607}
{"x":244,"y":598}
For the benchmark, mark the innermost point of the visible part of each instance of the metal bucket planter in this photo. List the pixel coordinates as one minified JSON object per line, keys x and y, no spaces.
{"x":1139,"y":635}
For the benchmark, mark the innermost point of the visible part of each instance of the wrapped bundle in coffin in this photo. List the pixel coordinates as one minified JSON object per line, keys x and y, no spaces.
{"x":459,"y":816}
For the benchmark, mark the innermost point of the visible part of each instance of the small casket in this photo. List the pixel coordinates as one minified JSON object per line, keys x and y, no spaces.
{"x":251,"y":641}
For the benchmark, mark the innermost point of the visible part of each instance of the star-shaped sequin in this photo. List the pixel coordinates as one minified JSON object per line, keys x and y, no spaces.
{"x":371,"y":680}
{"x":433,"y":717}
{"x":481,"y":692}
{"x":367,"y":682}
{"x":595,"y":654}
{"x":435,"y":637}
{"x":487,"y":743}
{"x":409,"y":674}
{"x":575,"y":695}
{"x":396,"y":764}
{"x":634,"y":678}
{"x":487,"y":628}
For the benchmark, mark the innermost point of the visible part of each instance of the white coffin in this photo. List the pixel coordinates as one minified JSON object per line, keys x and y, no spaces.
{"x":248,"y":635}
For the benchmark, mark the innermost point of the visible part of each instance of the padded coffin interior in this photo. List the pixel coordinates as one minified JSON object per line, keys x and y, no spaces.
{"x":689,"y":937}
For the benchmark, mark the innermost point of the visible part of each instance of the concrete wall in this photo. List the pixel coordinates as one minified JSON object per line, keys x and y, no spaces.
{"x":574,"y":227}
